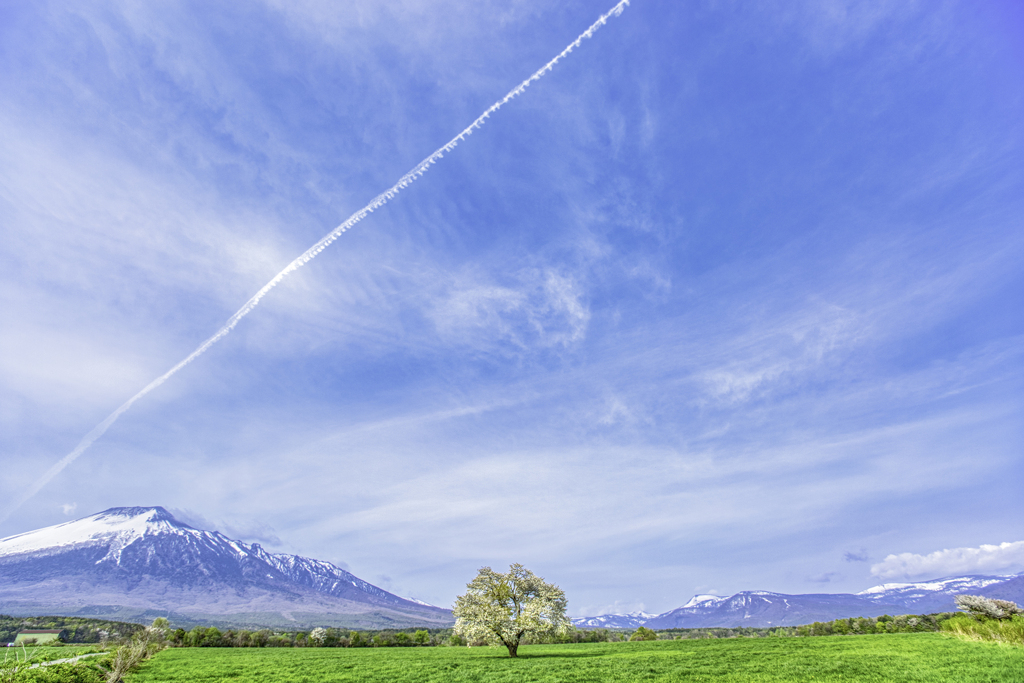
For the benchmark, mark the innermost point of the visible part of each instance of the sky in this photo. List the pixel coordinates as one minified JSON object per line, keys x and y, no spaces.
{"x":728,"y":300}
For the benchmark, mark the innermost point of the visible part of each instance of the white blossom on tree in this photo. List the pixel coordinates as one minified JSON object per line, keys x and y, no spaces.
{"x":981,"y":607}
{"x":503,"y":608}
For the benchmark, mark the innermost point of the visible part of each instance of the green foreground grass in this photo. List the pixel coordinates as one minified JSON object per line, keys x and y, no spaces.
{"x":899,"y":657}
{"x":42,"y":653}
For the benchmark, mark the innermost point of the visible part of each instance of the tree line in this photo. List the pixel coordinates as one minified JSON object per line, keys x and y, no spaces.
{"x":76,"y":629}
{"x":904,"y":623}
{"x":83,"y":630}
{"x":211,"y":636}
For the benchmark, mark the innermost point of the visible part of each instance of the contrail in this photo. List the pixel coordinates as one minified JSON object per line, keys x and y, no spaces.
{"x":307,"y":256}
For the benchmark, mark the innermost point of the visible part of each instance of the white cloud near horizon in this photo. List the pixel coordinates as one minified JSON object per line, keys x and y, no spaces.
{"x":986,"y":558}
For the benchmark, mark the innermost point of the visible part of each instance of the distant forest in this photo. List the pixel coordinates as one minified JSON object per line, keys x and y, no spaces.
{"x":905,"y":623}
{"x":78,"y":629}
{"x":331,"y":637}
{"x":84,"y":630}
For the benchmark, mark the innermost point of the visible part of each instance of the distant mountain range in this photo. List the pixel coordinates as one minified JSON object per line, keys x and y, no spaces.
{"x":137,"y":563}
{"x":764,"y":609}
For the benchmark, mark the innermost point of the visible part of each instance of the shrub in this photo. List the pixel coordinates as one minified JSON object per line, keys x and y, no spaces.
{"x":644,"y":633}
{"x":999,"y":630}
{"x":129,"y":656}
{"x":63,"y":673}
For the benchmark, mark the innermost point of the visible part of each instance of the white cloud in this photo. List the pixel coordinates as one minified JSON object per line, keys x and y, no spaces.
{"x":773,"y":352}
{"x":69,"y":508}
{"x":247,"y":530}
{"x":615,"y":411}
{"x":761,"y":396}
{"x":110,"y":220}
{"x":542,"y":308}
{"x":986,"y":558}
{"x":831,"y":28}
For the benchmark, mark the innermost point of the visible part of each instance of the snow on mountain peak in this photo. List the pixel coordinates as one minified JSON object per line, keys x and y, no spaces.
{"x":419,"y":602}
{"x":117,"y":526}
{"x":144,"y":557}
{"x":954,"y":584}
{"x":703,"y":600}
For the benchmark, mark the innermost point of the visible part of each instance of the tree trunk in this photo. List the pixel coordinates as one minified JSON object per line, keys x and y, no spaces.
{"x":512,"y":649}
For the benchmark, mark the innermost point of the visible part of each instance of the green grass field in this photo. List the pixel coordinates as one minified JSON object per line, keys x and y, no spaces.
{"x":900,"y":657}
{"x":42,"y":653}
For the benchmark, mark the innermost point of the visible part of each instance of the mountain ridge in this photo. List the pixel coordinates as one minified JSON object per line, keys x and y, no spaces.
{"x":142,"y":559}
{"x":135,"y":563}
{"x":762,"y":609}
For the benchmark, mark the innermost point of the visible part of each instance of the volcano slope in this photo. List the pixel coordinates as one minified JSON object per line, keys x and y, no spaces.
{"x":136,"y":563}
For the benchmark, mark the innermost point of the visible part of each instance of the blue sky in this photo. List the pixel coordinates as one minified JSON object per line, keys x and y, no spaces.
{"x":731,"y":299}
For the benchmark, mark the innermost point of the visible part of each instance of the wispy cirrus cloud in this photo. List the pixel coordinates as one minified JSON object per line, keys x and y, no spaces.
{"x":754,"y":270}
{"x":245,"y":530}
{"x":553,"y":282}
{"x":540,"y":308}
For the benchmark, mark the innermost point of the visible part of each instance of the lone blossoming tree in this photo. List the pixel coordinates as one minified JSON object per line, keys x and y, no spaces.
{"x":985,"y":608}
{"x":503,"y":608}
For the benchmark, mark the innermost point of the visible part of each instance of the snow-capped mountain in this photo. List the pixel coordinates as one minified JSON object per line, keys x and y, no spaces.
{"x":142,"y":560}
{"x":703,"y":601}
{"x":765,"y":609}
{"x":937,"y":595}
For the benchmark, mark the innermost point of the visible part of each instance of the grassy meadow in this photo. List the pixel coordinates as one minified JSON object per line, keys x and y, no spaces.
{"x":43,"y":653}
{"x":895,"y":657}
